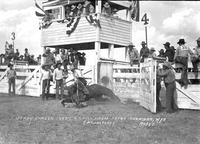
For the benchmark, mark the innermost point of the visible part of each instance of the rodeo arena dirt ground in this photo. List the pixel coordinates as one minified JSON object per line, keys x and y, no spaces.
{"x":28,"y":120}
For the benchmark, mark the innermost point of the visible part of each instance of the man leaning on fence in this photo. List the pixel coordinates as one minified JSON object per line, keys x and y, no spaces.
{"x":133,"y":54}
{"x":196,"y":58}
{"x":169,"y":80}
{"x":11,"y":75}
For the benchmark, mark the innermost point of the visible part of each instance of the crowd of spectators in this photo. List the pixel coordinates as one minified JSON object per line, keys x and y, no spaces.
{"x":71,"y":58}
{"x":87,"y":8}
{"x":12,"y":56}
{"x":180,"y":56}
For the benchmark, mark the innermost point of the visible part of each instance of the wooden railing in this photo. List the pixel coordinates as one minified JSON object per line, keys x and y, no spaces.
{"x":33,"y":74}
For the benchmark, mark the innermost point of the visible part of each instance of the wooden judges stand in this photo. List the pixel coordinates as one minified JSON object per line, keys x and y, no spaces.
{"x":88,"y":32}
{"x":105,"y":32}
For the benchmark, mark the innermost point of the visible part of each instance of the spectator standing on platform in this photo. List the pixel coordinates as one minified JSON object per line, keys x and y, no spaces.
{"x":196,"y":58}
{"x":11,"y":75}
{"x":17,"y":54}
{"x":45,"y":78}
{"x":169,"y":52}
{"x":144,"y":52}
{"x":57,"y":56}
{"x":82,"y":59}
{"x":58,"y":76}
{"x":169,"y":80}
{"x":48,"y":57}
{"x":26,"y":55}
{"x":161,"y":53}
{"x":88,"y":8}
{"x":65,"y":60}
{"x":133,"y":54}
{"x":79,"y":9}
{"x":73,"y":59}
{"x":107,"y":9}
{"x":152,"y":53}
{"x":74,"y":11}
{"x":181,"y":57}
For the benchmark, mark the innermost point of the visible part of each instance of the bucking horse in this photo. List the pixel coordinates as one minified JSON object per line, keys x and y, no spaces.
{"x":80,"y":92}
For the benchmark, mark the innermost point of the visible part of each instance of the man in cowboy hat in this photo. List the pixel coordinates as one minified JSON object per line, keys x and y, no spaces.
{"x":133,"y":54}
{"x":161,"y":53}
{"x":58,"y":76}
{"x":26,"y":55}
{"x":169,"y":80}
{"x":45,"y":79}
{"x":152,"y":53}
{"x":11,"y":75}
{"x":169,"y":52}
{"x":144,"y":52}
{"x":48,"y":57}
{"x":196,"y":58}
{"x":181,"y":57}
{"x":107,"y":9}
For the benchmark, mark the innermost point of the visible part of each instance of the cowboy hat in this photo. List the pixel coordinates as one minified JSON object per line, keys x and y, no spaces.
{"x":143,"y":43}
{"x":79,"y":6}
{"x":131,"y":45}
{"x":161,"y":50}
{"x":152,"y":49}
{"x":167,"y":64}
{"x":58,"y":63}
{"x":106,"y":5}
{"x":181,"y":41}
{"x":48,"y":49}
{"x":167,"y":44}
{"x":43,"y":65}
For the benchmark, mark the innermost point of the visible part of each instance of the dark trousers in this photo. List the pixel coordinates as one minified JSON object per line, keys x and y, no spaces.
{"x":184,"y":76}
{"x":45,"y":88}
{"x":170,"y":98}
{"x":59,"y":85}
{"x":195,"y":62}
{"x":65,"y":63}
{"x":11,"y":83}
{"x":158,"y":103}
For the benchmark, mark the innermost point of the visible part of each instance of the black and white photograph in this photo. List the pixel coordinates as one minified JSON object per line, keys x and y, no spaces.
{"x":99,"y":72}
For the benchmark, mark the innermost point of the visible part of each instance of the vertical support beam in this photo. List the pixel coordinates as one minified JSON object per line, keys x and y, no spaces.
{"x":97,"y":57}
{"x":126,"y":54}
{"x":97,"y":48}
{"x":98,"y":4}
{"x":111,"y":51}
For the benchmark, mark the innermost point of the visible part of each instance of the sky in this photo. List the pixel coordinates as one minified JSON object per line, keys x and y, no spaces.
{"x":169,"y":21}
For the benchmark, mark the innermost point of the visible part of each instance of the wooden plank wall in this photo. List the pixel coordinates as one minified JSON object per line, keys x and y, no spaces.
{"x":147,"y":85}
{"x":55,"y":34}
{"x":115,"y":30}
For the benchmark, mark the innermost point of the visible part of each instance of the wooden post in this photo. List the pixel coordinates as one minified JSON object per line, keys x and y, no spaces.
{"x":97,"y":57}
{"x":97,"y":42}
{"x":111,"y":51}
{"x":126,"y":54}
{"x":98,"y":4}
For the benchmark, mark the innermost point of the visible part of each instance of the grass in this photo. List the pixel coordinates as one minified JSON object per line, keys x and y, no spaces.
{"x":28,"y":120}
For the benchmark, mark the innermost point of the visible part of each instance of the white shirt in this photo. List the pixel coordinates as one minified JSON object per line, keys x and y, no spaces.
{"x":58,"y":58}
{"x":57,"y":74}
{"x":45,"y":74}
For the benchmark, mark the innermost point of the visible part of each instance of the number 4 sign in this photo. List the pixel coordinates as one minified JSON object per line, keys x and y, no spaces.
{"x":145,"y":19}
